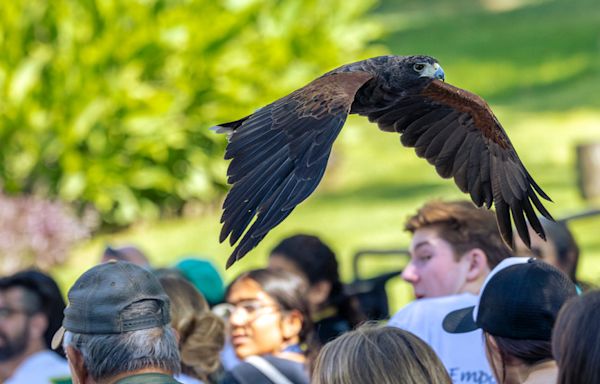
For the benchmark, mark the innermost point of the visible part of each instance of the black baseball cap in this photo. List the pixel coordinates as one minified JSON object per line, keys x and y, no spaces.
{"x":99,"y":296}
{"x":519,"y":299}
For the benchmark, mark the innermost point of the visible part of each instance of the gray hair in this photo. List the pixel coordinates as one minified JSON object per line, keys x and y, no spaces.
{"x":107,"y":355}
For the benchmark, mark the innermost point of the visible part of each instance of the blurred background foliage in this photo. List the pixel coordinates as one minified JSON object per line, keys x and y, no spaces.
{"x":107,"y":103}
{"x":37,"y":231}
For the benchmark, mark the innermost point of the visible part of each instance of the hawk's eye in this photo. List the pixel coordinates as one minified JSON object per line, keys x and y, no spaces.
{"x":419,"y":67}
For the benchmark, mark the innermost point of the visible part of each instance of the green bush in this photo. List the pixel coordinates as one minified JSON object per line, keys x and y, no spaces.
{"x":107,"y":102}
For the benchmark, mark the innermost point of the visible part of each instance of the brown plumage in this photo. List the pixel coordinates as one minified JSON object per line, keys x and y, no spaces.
{"x":279,"y":153}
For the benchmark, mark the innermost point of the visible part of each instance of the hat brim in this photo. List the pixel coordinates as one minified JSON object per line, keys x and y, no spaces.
{"x":58,"y":338}
{"x":460,"y":321}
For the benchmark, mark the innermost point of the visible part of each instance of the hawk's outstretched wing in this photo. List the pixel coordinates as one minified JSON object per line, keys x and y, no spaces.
{"x":279,"y":154}
{"x":457,"y":132}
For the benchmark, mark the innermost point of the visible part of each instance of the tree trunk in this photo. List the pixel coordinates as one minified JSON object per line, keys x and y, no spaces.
{"x":588,"y":168}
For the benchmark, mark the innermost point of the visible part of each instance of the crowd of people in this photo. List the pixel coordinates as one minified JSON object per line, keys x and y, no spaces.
{"x":482,"y":313}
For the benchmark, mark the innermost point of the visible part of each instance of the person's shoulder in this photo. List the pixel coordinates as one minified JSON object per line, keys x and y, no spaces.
{"x":47,"y":358}
{"x":431,"y":309}
{"x":286,"y":364}
{"x":296,"y":372}
{"x":243,"y":373}
{"x":440,"y":304}
{"x":247,"y":373}
{"x":185,"y":379}
{"x":42,"y":366}
{"x":452,"y":301}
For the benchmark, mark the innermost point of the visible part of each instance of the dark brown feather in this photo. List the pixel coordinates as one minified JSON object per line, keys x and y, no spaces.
{"x":470,"y":104}
{"x":279,"y":155}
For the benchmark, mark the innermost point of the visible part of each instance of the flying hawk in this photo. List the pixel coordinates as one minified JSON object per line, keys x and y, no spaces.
{"x":279,"y":153}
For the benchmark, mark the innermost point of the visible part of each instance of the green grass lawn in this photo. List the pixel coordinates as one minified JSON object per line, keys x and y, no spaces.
{"x":536,"y":62}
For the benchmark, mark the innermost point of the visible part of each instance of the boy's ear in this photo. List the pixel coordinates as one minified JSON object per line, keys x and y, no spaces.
{"x":478,"y":264}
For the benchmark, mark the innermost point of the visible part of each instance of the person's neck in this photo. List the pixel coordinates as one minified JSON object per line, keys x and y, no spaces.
{"x":473,"y":286}
{"x":123,"y":375}
{"x":290,"y":355}
{"x":8,"y":367}
{"x":293,"y":356}
{"x":519,"y":373}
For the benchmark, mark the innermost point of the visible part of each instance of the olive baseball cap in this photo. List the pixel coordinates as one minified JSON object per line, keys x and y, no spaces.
{"x":99,"y":296}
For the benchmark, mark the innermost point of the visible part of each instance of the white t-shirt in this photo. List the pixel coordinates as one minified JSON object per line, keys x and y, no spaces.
{"x":44,"y":367}
{"x":462,"y":354}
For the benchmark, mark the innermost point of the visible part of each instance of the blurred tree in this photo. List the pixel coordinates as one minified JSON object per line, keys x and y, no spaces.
{"x":107,"y":102}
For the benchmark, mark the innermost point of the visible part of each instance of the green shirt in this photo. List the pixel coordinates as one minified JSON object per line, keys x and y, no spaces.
{"x":148,"y":378}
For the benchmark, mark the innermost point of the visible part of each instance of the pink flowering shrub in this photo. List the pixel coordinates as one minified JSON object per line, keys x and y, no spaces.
{"x":38,"y":232}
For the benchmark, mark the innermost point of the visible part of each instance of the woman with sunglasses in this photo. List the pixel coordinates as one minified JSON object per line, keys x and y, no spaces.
{"x":270,"y":328}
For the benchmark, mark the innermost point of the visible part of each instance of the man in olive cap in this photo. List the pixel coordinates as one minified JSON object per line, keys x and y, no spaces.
{"x":116,"y":328}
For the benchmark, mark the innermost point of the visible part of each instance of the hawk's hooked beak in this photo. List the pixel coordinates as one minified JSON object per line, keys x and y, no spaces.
{"x":434,"y":71}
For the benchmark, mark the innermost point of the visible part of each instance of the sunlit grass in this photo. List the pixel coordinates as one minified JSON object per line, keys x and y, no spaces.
{"x":367,"y":194}
{"x":536,"y":64}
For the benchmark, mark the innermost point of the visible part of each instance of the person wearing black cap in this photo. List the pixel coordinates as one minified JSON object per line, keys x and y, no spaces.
{"x":31,"y":306}
{"x":516,"y":310}
{"x":116,"y":328}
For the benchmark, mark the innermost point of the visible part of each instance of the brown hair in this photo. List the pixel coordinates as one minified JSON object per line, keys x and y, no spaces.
{"x":463,"y":226}
{"x":201,"y":333}
{"x":381,"y":355}
{"x":516,"y":351}
{"x":576,"y":341}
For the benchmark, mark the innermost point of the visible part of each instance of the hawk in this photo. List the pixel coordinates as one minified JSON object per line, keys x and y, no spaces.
{"x":279,"y":153}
